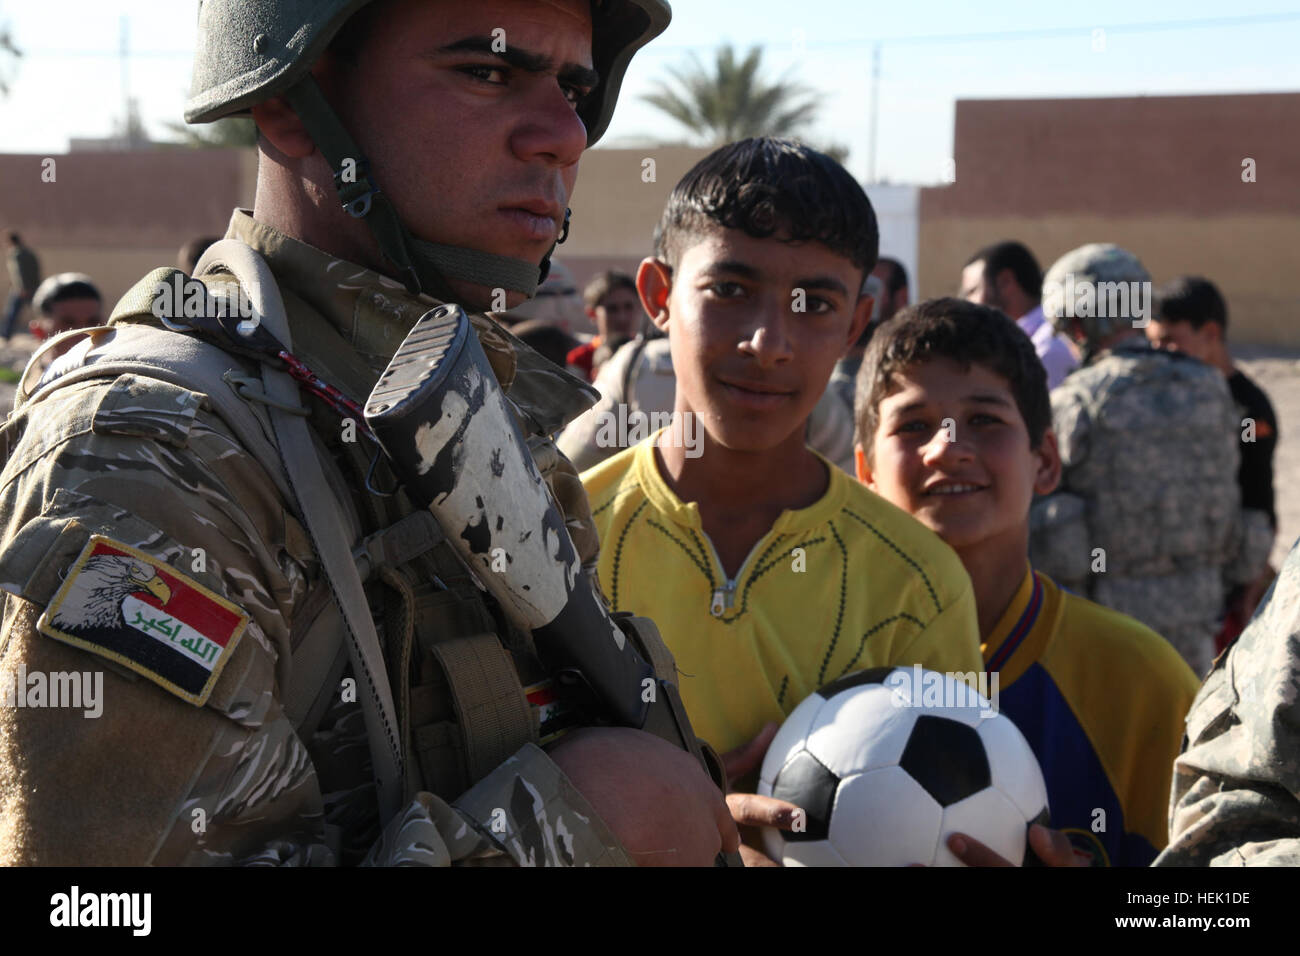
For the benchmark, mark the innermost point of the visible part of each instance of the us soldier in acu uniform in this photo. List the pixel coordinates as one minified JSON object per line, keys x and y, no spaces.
{"x":1236,"y":793}
{"x":1148,"y":518}
{"x":166,"y":506}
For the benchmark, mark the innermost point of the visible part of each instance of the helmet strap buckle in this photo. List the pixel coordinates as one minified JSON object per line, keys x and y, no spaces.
{"x":356,"y":192}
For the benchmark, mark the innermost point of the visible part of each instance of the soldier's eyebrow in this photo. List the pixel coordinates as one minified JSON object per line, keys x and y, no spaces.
{"x":525,"y":60}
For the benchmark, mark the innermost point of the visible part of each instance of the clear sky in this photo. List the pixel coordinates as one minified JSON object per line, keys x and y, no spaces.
{"x":933,"y":52}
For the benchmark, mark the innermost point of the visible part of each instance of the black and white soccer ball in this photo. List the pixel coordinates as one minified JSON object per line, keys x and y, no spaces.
{"x":886,"y":763}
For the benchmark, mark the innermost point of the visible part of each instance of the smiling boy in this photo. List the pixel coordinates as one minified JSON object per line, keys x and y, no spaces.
{"x":953,"y":426}
{"x":769,"y":571}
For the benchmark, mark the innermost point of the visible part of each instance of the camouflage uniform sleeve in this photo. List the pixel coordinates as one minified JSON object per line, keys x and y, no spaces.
{"x":1058,"y":539}
{"x":152,"y":778}
{"x":1253,"y":545}
{"x":526,"y":811}
{"x":1236,"y":790}
{"x":1058,"y":529}
{"x":1072,"y":423}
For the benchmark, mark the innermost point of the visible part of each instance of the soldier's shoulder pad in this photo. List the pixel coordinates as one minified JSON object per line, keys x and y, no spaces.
{"x":149,"y":408}
{"x":140,"y":300}
{"x":126,"y":405}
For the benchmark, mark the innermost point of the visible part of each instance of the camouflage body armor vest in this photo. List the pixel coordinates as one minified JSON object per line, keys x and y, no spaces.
{"x":467,"y":686}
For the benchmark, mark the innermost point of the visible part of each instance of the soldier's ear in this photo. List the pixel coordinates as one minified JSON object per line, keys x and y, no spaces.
{"x":277,"y":121}
{"x":654,"y":284}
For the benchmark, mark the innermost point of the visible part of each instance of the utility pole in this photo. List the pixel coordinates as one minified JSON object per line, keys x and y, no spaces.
{"x":123,"y":59}
{"x":875,"y":99}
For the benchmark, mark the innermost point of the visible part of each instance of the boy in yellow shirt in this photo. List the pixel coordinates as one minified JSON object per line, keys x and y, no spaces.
{"x":953,"y":421}
{"x":768,"y":571}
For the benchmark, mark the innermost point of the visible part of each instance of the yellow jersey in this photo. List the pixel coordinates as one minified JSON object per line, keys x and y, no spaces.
{"x":848,"y":583}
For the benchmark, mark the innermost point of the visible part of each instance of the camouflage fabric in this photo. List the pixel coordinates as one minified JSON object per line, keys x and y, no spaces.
{"x":1149,"y":452}
{"x":1236,"y":791}
{"x":156,"y":780}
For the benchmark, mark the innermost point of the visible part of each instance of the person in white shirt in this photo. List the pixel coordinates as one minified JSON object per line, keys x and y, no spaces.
{"x":1006,"y":276}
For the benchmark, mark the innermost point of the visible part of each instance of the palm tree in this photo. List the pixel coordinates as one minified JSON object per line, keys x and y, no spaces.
{"x":731,"y":102}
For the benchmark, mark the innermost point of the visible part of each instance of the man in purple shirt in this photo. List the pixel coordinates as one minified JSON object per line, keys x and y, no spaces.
{"x":1006,"y":276}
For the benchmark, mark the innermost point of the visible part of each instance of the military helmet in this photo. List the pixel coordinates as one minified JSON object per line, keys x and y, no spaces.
{"x":251,"y":50}
{"x":1105,"y":288}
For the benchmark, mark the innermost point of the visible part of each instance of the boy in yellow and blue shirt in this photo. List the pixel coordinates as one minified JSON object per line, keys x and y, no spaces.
{"x":953,"y":423}
{"x":768,"y":571}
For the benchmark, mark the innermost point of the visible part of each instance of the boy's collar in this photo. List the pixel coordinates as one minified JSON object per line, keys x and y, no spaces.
{"x":645,"y":468}
{"x":1016,"y":642}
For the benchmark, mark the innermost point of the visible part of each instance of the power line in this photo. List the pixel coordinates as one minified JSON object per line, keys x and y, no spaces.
{"x":1152,"y":26}
{"x":110,"y":54}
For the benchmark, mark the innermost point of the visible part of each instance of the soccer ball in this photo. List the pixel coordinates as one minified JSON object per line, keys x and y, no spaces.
{"x":886,"y":763}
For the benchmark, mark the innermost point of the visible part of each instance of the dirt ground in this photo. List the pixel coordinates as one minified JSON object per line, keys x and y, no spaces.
{"x":1276,"y":371}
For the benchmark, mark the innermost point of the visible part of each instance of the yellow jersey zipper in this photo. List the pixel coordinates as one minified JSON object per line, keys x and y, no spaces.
{"x":724,"y":598}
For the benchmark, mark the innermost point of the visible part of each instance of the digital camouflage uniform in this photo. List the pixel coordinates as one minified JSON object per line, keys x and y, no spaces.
{"x":1149,"y":456}
{"x":150,"y":465}
{"x":1236,"y":791}
{"x":137,"y":483}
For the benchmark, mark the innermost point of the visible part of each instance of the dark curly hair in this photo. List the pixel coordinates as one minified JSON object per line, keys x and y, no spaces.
{"x":771,"y":187}
{"x":968,"y":334}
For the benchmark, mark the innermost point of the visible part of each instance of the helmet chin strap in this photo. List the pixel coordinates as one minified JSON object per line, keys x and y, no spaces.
{"x":424,"y":267}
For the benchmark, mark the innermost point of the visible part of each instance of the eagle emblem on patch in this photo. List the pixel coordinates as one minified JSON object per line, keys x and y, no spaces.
{"x":124,"y":605}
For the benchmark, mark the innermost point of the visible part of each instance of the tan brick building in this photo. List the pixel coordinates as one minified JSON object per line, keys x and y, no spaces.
{"x":1162,"y":176}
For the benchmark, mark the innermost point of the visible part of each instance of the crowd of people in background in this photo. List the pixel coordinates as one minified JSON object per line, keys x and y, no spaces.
{"x":1059,"y":456}
{"x":1198,"y":593}
{"x":1125,"y":402}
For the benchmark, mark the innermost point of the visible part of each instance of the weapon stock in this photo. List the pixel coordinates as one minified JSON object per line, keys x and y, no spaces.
{"x":443,"y":422}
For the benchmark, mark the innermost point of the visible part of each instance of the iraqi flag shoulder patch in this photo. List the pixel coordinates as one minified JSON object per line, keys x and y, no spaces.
{"x":124,"y":605}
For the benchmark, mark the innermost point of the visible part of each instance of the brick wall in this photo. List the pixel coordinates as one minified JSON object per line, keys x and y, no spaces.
{"x":1161,"y":176}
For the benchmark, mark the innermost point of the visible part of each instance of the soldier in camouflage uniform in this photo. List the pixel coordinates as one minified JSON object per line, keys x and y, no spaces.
{"x":148,"y":532}
{"x":1147,"y":519}
{"x":1236,"y":792}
